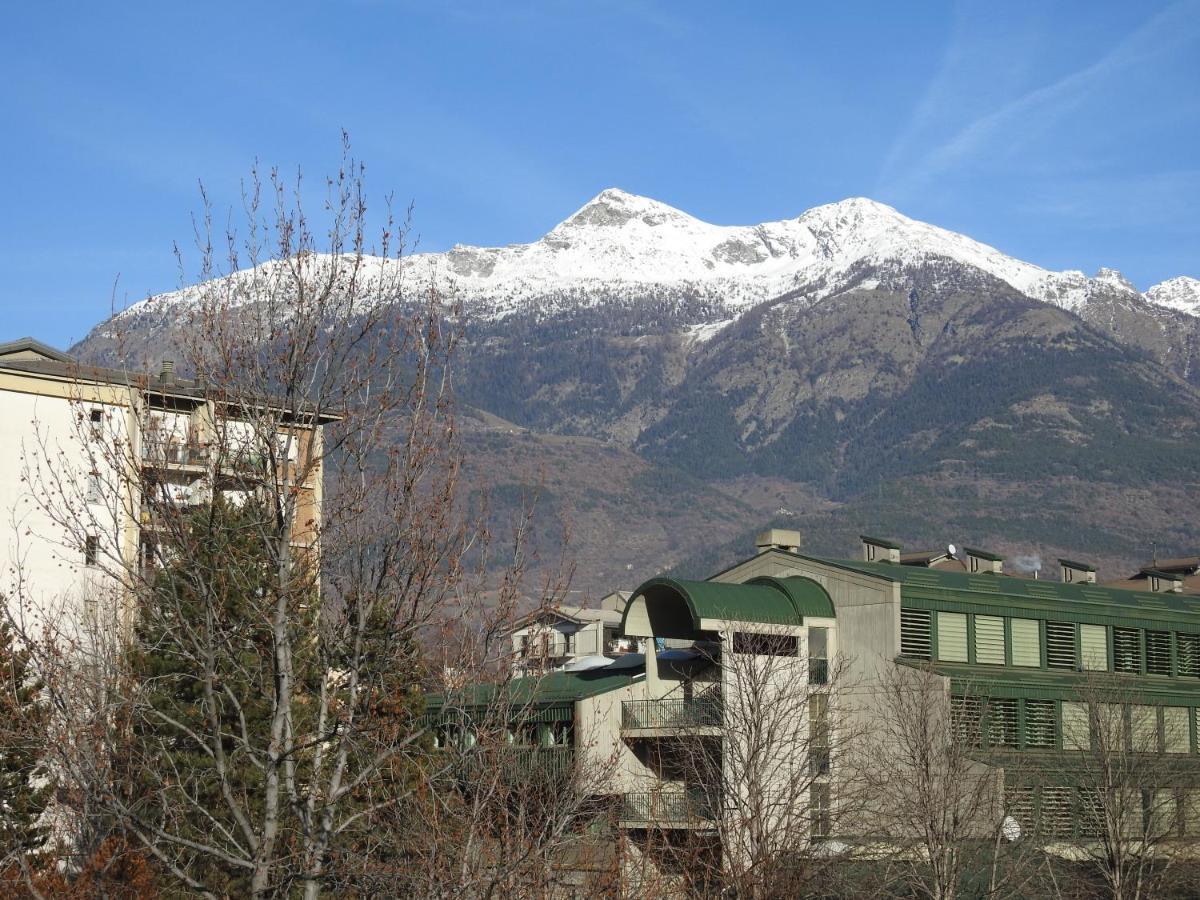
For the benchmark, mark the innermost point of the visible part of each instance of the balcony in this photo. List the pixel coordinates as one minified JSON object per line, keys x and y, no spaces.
{"x":171,"y":455}
{"x":699,"y":716}
{"x":690,"y":808}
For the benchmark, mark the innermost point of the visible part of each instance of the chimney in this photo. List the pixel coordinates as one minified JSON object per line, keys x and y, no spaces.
{"x":167,"y":375}
{"x":879,"y":550}
{"x":778,"y":539}
{"x":983,"y":561}
{"x":1163,"y":582}
{"x":1071,"y":572}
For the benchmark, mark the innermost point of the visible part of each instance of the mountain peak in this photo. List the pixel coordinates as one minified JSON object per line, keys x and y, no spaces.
{"x":613,"y":207}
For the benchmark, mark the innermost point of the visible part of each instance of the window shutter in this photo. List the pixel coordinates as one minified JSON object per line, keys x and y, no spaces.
{"x":966,"y":715}
{"x":952,"y":637}
{"x":1143,"y":722}
{"x":1026,"y":643}
{"x":989,"y":640}
{"x":1093,"y":642}
{"x":1127,"y":650}
{"x":1187,"y":658}
{"x":1002,"y":722}
{"x":915,"y":633}
{"x":1076,"y":733}
{"x":1058,"y":817}
{"x":1039,"y":724}
{"x":1158,"y":653}
{"x":1060,"y":645}
{"x":1177,"y":736}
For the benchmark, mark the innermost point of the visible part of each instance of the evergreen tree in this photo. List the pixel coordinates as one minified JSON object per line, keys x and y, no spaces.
{"x":25,"y":784}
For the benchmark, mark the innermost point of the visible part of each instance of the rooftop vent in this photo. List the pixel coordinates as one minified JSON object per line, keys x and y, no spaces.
{"x":778,"y":539}
{"x":879,"y":550}
{"x":167,"y":374}
{"x":983,"y":561}
{"x":1072,"y":572}
{"x":1163,"y":582}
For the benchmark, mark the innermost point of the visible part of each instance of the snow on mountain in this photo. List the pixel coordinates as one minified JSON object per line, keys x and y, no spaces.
{"x":620,"y":245}
{"x":1182,"y":294}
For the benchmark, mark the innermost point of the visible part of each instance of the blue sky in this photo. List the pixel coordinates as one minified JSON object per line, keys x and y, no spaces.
{"x":1067,"y":134}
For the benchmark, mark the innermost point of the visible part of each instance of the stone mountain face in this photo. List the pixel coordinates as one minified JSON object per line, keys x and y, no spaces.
{"x":837,"y":351}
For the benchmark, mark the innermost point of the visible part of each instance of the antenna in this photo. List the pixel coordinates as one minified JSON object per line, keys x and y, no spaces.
{"x":1154,"y":553}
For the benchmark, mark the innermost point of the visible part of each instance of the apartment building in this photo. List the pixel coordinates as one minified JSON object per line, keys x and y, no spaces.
{"x":92,"y":459}
{"x":1021,"y":660}
{"x":563,"y":636}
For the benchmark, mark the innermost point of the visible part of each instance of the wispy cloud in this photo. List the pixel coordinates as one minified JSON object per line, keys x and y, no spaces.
{"x":1015,"y":120}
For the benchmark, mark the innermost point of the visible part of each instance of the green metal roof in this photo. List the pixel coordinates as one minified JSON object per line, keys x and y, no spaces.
{"x":546,"y":690}
{"x":1079,"y":601}
{"x":767,"y":601}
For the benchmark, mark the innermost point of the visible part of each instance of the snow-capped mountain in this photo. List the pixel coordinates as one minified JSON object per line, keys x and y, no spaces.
{"x":626,"y":242}
{"x":1182,"y":294}
{"x":619,"y":246}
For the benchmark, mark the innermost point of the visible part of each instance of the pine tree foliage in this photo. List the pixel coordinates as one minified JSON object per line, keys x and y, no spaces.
{"x":25,"y":783}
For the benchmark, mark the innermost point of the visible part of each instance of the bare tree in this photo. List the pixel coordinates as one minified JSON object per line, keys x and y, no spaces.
{"x":255,"y":663}
{"x":939,"y":819}
{"x":1124,"y":780}
{"x":755,"y":770}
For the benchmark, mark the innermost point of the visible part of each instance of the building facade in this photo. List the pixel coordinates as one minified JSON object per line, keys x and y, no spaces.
{"x":95,"y":459}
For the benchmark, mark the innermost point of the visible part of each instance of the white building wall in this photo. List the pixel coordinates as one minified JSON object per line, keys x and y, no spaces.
{"x":58,"y":484}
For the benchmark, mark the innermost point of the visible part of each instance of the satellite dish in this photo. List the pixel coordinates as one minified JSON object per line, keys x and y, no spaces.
{"x":950,"y":549}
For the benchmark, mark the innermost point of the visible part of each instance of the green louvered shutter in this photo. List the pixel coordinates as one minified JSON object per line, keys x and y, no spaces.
{"x":1060,"y":645}
{"x":1093,"y":644}
{"x":1026,"y":643}
{"x":1127,"y":650}
{"x":952,"y":637}
{"x":1187,"y":647}
{"x":915,"y":633}
{"x":1158,"y":653}
{"x":1040,"y":730}
{"x":1177,"y":732}
{"x":1076,"y":733}
{"x":989,"y":640}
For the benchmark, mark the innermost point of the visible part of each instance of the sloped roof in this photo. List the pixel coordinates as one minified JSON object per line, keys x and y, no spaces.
{"x":1092,"y":597}
{"x":551,"y":688}
{"x":28,"y":348}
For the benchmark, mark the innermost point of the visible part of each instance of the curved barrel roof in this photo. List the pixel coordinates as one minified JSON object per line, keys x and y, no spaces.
{"x":766,"y":600}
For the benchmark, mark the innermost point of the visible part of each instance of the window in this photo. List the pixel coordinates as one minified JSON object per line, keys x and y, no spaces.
{"x":974,"y":563}
{"x":91,"y":550}
{"x":1076,"y":731}
{"x":818,"y":723}
{"x":752,"y":644}
{"x":952,"y":637}
{"x":1187,"y":655}
{"x":1177,"y":731}
{"x":870,"y":553}
{"x":818,"y":655}
{"x":1060,"y":645}
{"x":1026,"y":643}
{"x":819,"y":809}
{"x":1158,"y":653}
{"x":94,"y":492}
{"x":1127,"y":650}
{"x":1002,"y":722}
{"x":915,"y":638}
{"x":1155,"y":585}
{"x":1093,"y":645}
{"x":1040,"y":730}
{"x":569,"y":640}
{"x":96,"y":419}
{"x":1191,"y":812}
{"x":1091,"y":813}
{"x":989,"y":640}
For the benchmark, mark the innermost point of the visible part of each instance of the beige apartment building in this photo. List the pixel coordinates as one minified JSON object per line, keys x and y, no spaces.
{"x":92,"y":460}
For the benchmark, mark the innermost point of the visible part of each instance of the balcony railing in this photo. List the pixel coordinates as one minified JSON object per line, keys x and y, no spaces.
{"x":674,"y":713}
{"x":160,"y":453}
{"x":669,"y":808}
